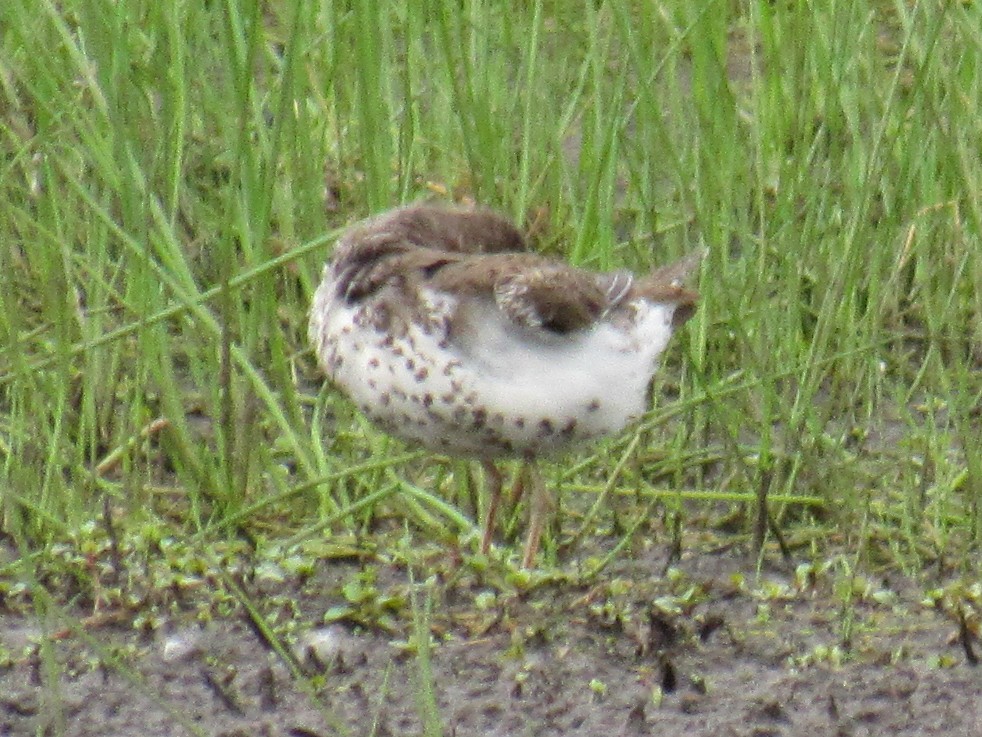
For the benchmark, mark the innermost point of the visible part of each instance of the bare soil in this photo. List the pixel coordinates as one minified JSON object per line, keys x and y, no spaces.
{"x":708,"y":648}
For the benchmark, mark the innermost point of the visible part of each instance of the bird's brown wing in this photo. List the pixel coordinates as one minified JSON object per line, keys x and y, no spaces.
{"x":465,"y":230}
{"x":534,"y":291}
{"x":365,"y":260}
{"x":414,"y":242}
{"x":458,"y":230}
{"x":555,"y":297}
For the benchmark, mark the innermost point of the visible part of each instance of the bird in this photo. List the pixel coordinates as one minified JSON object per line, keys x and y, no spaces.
{"x":442,"y":326}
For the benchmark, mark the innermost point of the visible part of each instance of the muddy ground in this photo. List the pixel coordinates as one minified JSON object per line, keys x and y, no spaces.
{"x":710,"y":648}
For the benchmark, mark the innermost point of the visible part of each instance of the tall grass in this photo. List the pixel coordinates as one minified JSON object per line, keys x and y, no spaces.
{"x":172,"y":175}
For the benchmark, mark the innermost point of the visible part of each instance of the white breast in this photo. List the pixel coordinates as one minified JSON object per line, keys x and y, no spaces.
{"x":563,"y":377}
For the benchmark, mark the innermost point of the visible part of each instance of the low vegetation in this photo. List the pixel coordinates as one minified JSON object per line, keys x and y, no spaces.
{"x":172,"y":176}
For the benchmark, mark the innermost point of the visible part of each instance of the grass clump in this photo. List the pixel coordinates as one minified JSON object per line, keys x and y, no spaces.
{"x":173,"y":176}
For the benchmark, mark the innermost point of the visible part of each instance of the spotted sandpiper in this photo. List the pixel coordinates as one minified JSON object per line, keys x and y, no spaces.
{"x":446,"y":332}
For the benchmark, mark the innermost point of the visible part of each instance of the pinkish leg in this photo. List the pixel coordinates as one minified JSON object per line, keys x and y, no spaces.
{"x":518,"y":485}
{"x":492,"y":481}
{"x":540,"y":504}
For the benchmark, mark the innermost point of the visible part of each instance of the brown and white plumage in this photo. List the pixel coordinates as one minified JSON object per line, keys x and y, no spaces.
{"x":446,"y":332}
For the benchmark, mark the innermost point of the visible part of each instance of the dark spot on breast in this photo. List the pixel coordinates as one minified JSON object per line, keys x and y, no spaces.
{"x":410,"y":364}
{"x":480,"y":417}
{"x":447,"y":398}
{"x":568,"y":429}
{"x":427,"y":399}
{"x":593,"y":406}
{"x":546,"y":427}
{"x":373,"y":362}
{"x":384,"y":399}
{"x":421,"y":375}
{"x":520,"y":422}
{"x":493,"y":438}
{"x":373,"y":385}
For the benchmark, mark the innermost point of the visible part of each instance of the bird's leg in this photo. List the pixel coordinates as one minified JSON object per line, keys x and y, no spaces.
{"x":492,"y":481}
{"x":540,"y":504}
{"x":518,"y":485}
